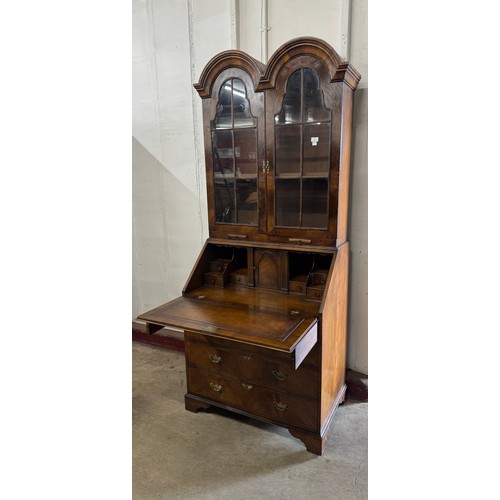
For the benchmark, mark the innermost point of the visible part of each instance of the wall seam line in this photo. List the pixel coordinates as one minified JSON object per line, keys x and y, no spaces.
{"x":197,"y":156}
{"x":160,"y":164}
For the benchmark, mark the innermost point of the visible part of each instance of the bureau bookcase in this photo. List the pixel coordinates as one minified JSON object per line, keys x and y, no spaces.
{"x":264,"y":309}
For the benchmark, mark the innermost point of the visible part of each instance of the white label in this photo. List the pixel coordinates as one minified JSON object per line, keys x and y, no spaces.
{"x":314,"y":140}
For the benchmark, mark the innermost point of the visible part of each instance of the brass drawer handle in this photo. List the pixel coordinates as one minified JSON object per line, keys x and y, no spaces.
{"x":246,"y":357}
{"x":280,"y":406}
{"x":246,"y":386}
{"x":299,"y":240}
{"x":280,"y":375}
{"x":214,"y":358}
{"x":237,"y":236}
{"x":216,"y":387}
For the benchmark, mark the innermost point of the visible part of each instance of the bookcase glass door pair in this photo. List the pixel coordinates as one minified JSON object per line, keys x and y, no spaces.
{"x":295,"y":178}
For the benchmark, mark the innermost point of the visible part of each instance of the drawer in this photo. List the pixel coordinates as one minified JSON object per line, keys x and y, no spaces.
{"x":219,"y":265}
{"x":272,"y":373}
{"x":319,"y":277}
{"x":298,"y":284}
{"x":214,"y":279}
{"x":239,"y":277}
{"x":315,"y":293}
{"x":247,"y":396}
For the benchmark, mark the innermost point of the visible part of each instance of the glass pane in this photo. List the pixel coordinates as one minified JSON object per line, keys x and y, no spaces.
{"x":245,"y":150}
{"x":291,"y":112}
{"x":314,"y":203}
{"x":224,"y":200}
{"x":288,"y":149}
{"x":288,"y":202}
{"x":316,"y":149}
{"x":314,"y":110}
{"x":223,"y":117}
{"x":222,"y":146}
{"x":241,"y":106}
{"x":246,"y":192}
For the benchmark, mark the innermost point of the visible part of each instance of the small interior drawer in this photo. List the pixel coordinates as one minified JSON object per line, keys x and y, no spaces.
{"x":239,"y":277}
{"x":214,"y":279}
{"x":318,"y":278}
{"x":298,"y":284}
{"x":219,"y":265}
{"x":315,"y":293}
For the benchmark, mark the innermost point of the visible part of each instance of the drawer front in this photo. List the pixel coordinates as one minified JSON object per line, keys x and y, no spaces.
{"x":297,"y":287}
{"x":245,"y":395}
{"x":319,"y":278}
{"x":268,"y":372}
{"x":238,"y":279}
{"x":214,"y":279}
{"x":314,"y":293}
{"x":219,"y":265}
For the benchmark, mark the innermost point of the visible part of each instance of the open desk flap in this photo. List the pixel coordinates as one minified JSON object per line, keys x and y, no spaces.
{"x":294,"y":334}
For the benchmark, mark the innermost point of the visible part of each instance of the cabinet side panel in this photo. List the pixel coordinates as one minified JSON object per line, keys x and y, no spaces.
{"x":195,"y":279}
{"x":334,"y":326}
{"x":207,"y":106}
{"x":345,"y":165}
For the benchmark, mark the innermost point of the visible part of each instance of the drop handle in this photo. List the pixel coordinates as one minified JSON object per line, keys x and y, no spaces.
{"x":214,"y":358}
{"x":300,"y":241}
{"x":280,"y":375}
{"x":280,"y":406}
{"x":216,"y":387}
{"x":246,"y":386}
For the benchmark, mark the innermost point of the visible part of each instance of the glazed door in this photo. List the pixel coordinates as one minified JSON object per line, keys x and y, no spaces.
{"x":235,"y":148}
{"x":303,"y":137}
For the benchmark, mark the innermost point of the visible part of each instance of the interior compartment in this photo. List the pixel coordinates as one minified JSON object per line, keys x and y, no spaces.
{"x":227,"y":265}
{"x":308,"y":274}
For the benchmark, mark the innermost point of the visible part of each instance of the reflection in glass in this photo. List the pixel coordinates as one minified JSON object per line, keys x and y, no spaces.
{"x":224,"y":200}
{"x":316,"y":159}
{"x":234,"y":147}
{"x":222,"y":146}
{"x":241,"y":106}
{"x":246,"y":194}
{"x":245,"y":152}
{"x":314,"y":110}
{"x":291,"y":112}
{"x":288,"y":202}
{"x":223,"y":118}
{"x":302,"y":146}
{"x":315,"y":203}
{"x":288,"y":149}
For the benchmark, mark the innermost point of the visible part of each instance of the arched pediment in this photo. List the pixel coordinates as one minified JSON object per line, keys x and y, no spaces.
{"x":338,"y":68}
{"x":264,"y":76}
{"x":228,"y":59}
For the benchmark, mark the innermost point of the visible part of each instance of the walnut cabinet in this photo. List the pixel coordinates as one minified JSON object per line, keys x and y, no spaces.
{"x":264,"y":309}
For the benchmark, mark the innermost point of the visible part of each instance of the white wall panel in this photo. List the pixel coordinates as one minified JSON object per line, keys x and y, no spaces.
{"x":357,"y":348}
{"x":173,"y":40}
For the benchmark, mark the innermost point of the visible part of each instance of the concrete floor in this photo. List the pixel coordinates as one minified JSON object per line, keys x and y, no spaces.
{"x":219,"y":455}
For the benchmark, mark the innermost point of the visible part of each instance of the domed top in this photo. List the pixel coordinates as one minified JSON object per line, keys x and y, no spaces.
{"x":264,"y":76}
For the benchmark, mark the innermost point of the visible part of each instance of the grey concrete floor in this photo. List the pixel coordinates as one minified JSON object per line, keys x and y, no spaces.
{"x":219,"y":455}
